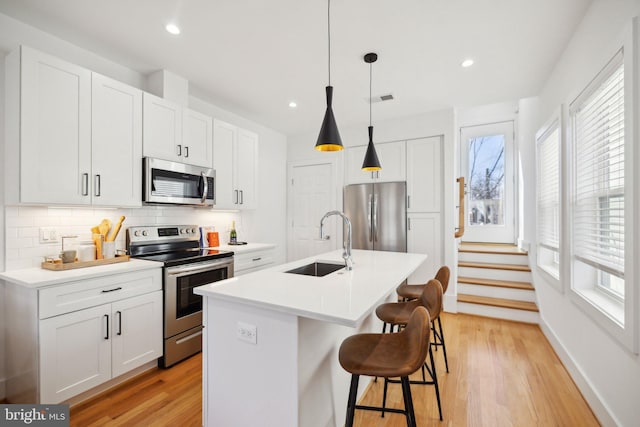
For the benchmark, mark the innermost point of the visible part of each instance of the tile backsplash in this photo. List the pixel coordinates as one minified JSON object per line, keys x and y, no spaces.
{"x":23,"y":223}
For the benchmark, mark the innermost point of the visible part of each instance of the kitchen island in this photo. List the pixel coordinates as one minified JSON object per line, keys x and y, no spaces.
{"x":271,"y":338}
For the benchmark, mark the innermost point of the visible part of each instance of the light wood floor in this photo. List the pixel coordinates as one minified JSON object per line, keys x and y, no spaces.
{"x":501,"y":374}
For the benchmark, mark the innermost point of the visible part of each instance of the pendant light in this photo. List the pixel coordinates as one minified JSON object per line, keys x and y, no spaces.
{"x":329,"y":137}
{"x":371,"y":162}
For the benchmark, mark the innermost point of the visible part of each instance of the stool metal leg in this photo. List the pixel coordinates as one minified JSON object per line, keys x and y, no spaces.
{"x":434,"y":376}
{"x":351,"y":404}
{"x":408,"y":402}
{"x":384,"y":396}
{"x":444,"y":347}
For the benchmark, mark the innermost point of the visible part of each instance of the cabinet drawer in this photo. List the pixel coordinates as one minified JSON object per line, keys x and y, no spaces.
{"x":83,"y":294}
{"x":252,"y":260}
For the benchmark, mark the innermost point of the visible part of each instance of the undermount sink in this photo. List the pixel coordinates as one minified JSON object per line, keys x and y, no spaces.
{"x":316,"y":269}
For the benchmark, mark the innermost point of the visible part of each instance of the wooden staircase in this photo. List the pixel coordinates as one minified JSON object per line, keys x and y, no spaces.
{"x":494,"y":280}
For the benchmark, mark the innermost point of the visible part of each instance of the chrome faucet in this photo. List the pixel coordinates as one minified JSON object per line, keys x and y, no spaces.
{"x":346,"y":244}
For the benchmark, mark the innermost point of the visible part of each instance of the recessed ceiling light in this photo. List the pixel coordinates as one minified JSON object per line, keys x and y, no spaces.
{"x":173,"y":29}
{"x":467,"y":63}
{"x":293,"y":104}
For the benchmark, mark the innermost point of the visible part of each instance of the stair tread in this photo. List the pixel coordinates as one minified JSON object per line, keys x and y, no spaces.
{"x":491,"y":248}
{"x":498,"y":283}
{"x":498,"y":302}
{"x":515,"y":267}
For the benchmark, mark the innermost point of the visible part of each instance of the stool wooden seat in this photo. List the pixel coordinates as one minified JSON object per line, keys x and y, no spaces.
{"x":398,"y":313}
{"x":411,"y":292}
{"x":387,"y":355}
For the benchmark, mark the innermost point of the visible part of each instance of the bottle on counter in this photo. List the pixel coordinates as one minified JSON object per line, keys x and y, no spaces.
{"x":233,"y":236}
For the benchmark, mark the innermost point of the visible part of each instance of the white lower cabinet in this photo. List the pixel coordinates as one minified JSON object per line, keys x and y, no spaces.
{"x":248,"y":262}
{"x":86,"y":348}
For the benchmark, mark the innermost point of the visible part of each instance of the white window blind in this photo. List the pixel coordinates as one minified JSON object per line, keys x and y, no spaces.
{"x":598,"y":202}
{"x":548,"y":188}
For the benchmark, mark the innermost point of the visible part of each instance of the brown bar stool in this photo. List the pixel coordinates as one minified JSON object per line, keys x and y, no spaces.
{"x":387,"y":355}
{"x":399,"y":313}
{"x":411,"y":292}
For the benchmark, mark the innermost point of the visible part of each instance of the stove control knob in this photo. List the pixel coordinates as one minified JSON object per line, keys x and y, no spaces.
{"x":145,"y":233}
{"x":137,"y":233}
{"x":183,"y":231}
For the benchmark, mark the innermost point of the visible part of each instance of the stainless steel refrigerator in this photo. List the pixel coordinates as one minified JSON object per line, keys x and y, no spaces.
{"x":378,"y":214}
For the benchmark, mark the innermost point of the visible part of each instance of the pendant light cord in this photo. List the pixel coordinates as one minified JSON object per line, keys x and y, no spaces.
{"x":329,"y":33}
{"x":370,"y":79}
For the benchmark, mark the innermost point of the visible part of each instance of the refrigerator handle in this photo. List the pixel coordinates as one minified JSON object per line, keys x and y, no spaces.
{"x":369,"y":219}
{"x":375,"y":217}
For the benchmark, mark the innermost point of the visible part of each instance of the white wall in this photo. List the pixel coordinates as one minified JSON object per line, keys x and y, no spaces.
{"x":606,"y":372}
{"x":20,"y":232}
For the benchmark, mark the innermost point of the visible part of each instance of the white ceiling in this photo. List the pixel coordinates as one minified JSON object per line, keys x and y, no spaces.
{"x":254,"y":56}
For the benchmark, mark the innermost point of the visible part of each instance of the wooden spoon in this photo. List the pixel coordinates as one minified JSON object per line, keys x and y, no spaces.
{"x":115,"y":230}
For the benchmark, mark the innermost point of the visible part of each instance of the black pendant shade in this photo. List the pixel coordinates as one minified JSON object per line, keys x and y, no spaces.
{"x":371,"y":162}
{"x":329,"y":137}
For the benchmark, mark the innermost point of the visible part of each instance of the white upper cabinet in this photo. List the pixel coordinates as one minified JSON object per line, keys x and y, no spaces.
{"x":197,"y":138}
{"x":172,"y":132}
{"x":162,"y":128}
{"x":54,"y":139}
{"x":73,"y":137}
{"x":116,"y":135}
{"x":424,"y":175}
{"x":235,"y":162}
{"x":392,"y":156}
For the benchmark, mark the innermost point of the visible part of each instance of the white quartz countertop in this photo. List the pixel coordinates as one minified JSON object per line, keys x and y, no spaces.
{"x":39,"y":278}
{"x":343,"y":297}
{"x":249,"y":247}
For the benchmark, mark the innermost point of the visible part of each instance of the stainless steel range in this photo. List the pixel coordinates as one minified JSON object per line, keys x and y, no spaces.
{"x":186,"y":266}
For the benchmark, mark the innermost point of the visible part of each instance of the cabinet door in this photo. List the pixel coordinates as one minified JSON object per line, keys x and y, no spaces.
{"x":224,"y":136}
{"x":75,"y":353}
{"x":116,"y":138}
{"x":137,"y":332}
{"x":197,"y":139}
{"x":424,"y":237}
{"x":55,"y":130}
{"x":424,"y":175}
{"x":245,"y":163}
{"x":392,"y":157}
{"x":354,"y":156}
{"x":162,"y":128}
{"x":393,"y":160}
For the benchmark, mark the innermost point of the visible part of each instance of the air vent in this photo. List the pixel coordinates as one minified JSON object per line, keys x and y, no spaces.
{"x":380,"y":98}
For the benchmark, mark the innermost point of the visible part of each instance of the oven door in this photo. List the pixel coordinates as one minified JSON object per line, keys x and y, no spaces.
{"x":183,"y":308}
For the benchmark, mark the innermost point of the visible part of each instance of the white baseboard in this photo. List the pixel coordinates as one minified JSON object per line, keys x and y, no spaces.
{"x":450,"y":303}
{"x":591,"y":395}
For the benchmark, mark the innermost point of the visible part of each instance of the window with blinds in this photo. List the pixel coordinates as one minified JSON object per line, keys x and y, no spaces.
{"x":599,"y":179}
{"x":548,"y":198}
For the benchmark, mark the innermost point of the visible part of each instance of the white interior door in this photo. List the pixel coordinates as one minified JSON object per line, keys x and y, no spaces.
{"x":312,"y":195}
{"x":487,"y":163}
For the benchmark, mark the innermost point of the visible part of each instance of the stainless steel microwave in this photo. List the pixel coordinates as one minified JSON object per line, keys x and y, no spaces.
{"x":166,"y":182}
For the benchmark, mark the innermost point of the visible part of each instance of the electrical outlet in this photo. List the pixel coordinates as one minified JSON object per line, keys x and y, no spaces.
{"x":247,"y":332}
{"x":49,"y":235}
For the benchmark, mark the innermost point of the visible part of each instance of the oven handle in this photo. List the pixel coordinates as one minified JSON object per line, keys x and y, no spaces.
{"x":176,"y":271}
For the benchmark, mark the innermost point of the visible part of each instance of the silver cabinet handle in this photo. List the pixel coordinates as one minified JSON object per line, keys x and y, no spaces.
{"x":111,"y":290}
{"x":96,"y":186}
{"x":408,"y":202}
{"x":408,"y":223}
{"x":179,"y":150}
{"x":186,"y":151}
{"x":241,"y":197}
{"x":85,"y":184}
{"x":256,"y":259}
{"x":237,"y":199}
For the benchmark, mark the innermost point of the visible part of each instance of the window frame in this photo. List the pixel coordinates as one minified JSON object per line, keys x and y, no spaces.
{"x":552,"y":275}
{"x":618,"y":317}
